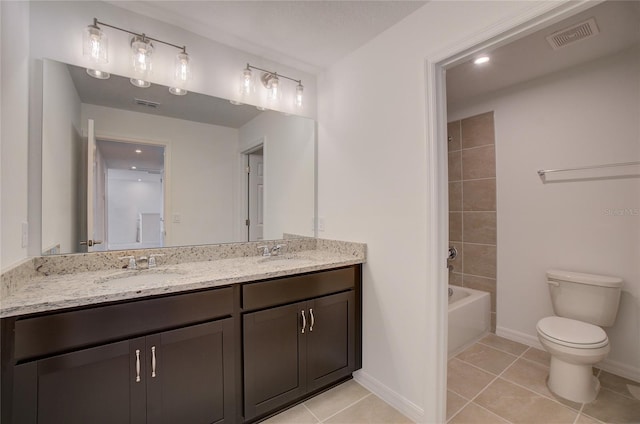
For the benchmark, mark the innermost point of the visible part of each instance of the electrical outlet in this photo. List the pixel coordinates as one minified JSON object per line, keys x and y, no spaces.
{"x":25,"y":234}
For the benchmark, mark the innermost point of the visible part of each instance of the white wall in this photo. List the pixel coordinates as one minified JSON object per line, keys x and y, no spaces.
{"x":289,"y":171}
{"x":60,"y":165}
{"x":14,"y":128}
{"x":202,"y":172}
{"x":587,"y":115}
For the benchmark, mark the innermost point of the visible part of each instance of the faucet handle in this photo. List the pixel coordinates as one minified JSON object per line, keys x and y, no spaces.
{"x":152,"y":259}
{"x":132,"y":262}
{"x":275,"y":250}
{"x":264,"y":250}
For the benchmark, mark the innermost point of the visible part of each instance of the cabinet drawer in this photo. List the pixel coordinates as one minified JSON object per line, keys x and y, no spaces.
{"x":292,"y":289}
{"x":64,"y":331}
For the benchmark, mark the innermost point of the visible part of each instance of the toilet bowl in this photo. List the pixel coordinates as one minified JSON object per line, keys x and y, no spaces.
{"x":574,"y":339}
{"x":574,"y":346}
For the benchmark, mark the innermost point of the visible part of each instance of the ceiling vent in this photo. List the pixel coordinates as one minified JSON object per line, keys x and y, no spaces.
{"x":573,"y":34}
{"x":147,"y":103}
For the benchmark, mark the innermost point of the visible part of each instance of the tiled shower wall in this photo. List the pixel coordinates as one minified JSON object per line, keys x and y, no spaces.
{"x":472,"y":204}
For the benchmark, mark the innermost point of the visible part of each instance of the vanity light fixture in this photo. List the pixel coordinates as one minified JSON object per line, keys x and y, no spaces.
{"x":481,"y":60}
{"x":271,"y":81}
{"x":95,"y":48}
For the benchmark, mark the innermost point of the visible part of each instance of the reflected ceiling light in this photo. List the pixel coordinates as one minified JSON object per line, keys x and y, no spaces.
{"x":95,"y":48}
{"x":134,"y":167}
{"x":138,"y":151}
{"x":481,"y":59}
{"x":272,"y":82}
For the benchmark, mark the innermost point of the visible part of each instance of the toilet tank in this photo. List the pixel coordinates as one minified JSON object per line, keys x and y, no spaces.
{"x":586,"y":297}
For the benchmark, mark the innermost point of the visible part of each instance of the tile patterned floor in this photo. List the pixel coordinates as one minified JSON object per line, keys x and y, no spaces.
{"x":493,"y":381}
{"x":500,"y":381}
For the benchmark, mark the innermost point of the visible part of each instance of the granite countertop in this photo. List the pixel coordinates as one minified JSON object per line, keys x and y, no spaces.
{"x":60,"y":291}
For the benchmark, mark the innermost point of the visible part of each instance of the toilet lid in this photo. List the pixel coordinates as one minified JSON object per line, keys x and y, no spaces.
{"x":572,"y":333}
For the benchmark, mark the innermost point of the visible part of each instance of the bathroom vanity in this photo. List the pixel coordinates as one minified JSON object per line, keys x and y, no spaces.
{"x":223,"y":350}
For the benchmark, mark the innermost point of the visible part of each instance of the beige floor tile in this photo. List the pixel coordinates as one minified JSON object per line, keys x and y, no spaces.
{"x":503,"y":344}
{"x":538,"y":355}
{"x":370,"y":410}
{"x":328,"y":403}
{"x":296,"y":415}
{"x":466,"y":380}
{"x":533,"y":376}
{"x":454,"y":403}
{"x":617,"y":384}
{"x":612,"y":407}
{"x":487,"y":358}
{"x":474,"y":414}
{"x":583,"y":419}
{"x":522,"y":406}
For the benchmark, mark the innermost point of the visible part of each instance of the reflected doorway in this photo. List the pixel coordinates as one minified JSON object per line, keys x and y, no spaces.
{"x":254,"y":160}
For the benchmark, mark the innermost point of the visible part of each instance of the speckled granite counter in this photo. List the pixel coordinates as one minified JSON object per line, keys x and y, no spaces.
{"x":66,"y":281}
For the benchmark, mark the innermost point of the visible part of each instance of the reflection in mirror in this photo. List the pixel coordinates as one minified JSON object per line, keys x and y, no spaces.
{"x":126,"y":167}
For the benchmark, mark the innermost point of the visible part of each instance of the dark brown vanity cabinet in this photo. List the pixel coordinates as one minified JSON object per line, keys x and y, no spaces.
{"x":179,"y":375}
{"x":295,"y":349}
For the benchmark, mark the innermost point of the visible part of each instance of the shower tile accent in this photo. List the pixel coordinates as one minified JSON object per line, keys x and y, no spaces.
{"x":472,"y":204}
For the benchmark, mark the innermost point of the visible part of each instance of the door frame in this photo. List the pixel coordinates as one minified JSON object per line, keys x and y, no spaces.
{"x":243,"y":192}
{"x":166,"y":180}
{"x":539,"y":16}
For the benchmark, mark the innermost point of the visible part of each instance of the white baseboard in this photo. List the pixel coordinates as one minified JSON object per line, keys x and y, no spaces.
{"x":408,"y":408}
{"x":614,"y":367}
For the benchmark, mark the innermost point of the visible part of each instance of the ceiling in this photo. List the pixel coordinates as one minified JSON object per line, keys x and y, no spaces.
{"x":532,"y":56}
{"x":307,"y":35}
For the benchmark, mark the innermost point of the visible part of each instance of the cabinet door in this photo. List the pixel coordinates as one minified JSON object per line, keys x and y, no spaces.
{"x":273,"y":348}
{"x":191,"y":378}
{"x":330,"y":339}
{"x":96,"y":385}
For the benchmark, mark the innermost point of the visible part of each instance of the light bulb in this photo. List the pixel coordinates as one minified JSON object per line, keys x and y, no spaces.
{"x":183,"y":68}
{"x":141,"y":50}
{"x":274,"y":88}
{"x":299,"y":93}
{"x":246,"y":87}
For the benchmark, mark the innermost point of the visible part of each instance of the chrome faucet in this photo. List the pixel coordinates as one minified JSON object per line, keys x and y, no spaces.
{"x":275,"y":250}
{"x":264,"y":250}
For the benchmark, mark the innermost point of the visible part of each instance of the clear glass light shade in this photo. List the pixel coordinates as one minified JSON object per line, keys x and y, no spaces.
{"x":274,"y":92}
{"x":141,"y":52}
{"x":182,"y":69}
{"x":95,"y":44}
{"x":299,"y":95}
{"x":247,"y":85}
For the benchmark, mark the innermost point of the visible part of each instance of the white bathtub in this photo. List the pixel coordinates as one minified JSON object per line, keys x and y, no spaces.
{"x":469,"y":317}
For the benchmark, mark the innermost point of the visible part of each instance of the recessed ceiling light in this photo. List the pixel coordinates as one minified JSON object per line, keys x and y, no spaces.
{"x":138,"y":151}
{"x":481,"y":59}
{"x":139,"y":179}
{"x":133,"y":167}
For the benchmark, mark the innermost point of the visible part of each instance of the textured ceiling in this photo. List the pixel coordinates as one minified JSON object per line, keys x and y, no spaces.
{"x":308,"y":35}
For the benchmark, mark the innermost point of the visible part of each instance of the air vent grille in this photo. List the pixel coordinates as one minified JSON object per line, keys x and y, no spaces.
{"x":147,"y":103}
{"x":573,"y":34}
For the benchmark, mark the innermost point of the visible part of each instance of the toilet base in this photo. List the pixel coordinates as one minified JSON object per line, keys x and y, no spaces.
{"x":574,"y":382}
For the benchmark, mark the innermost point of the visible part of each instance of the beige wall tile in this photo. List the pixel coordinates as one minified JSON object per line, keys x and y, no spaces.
{"x":487,"y":358}
{"x":479,"y":195}
{"x":336,"y":399}
{"x":465,"y":379}
{"x":455,"y":166}
{"x":455,"y":278}
{"x":484,"y":284}
{"x":455,"y":226}
{"x":479,"y":259}
{"x":455,"y":196}
{"x":479,"y":227}
{"x":453,"y":131}
{"x":370,"y":410}
{"x":459,"y":260}
{"x":474,"y":414}
{"x":478,"y":130}
{"x":479,"y":162}
{"x":612,"y":407}
{"x":520,"y":405}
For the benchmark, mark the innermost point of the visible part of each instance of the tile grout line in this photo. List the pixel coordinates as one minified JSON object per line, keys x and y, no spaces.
{"x":343,"y":409}
{"x":311,"y":412}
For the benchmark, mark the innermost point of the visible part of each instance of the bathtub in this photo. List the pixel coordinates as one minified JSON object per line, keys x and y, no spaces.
{"x":469,"y":318}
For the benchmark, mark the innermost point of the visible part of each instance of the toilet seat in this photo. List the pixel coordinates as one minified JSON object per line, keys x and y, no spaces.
{"x":572,"y":333}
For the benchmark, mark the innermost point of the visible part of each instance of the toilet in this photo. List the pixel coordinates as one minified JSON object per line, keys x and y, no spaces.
{"x":583,"y":303}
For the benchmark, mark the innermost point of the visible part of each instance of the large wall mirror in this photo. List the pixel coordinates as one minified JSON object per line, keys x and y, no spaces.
{"x":127,"y":167}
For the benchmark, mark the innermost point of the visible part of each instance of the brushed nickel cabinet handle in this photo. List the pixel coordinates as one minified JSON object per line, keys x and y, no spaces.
{"x":304,"y":322}
{"x":153,"y":361}
{"x":313,"y":320}
{"x":137,"y":365}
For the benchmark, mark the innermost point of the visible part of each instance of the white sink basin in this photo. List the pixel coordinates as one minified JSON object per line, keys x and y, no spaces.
{"x":143,"y":276}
